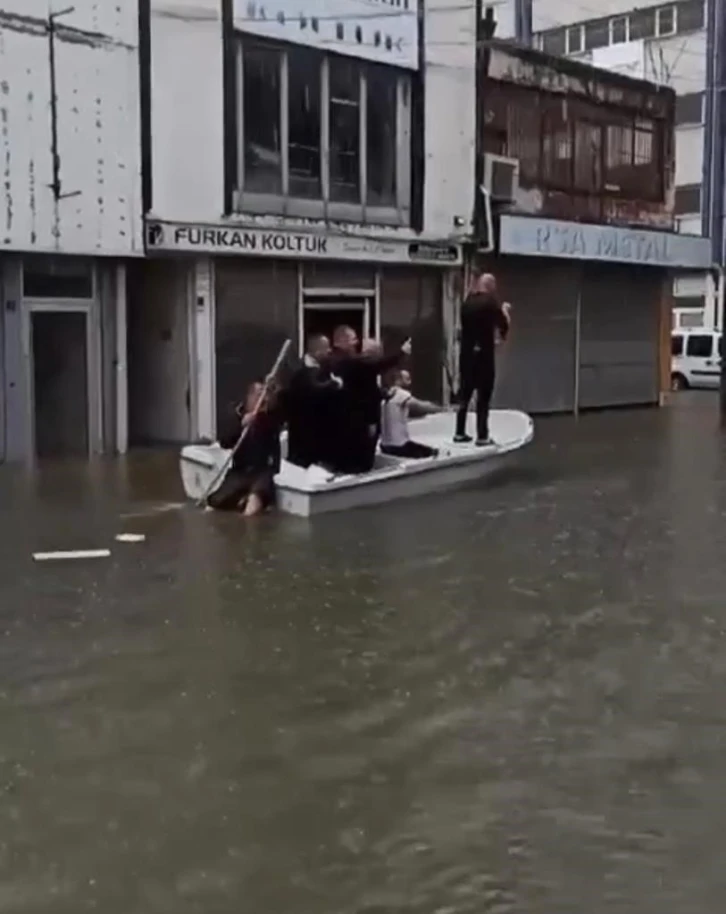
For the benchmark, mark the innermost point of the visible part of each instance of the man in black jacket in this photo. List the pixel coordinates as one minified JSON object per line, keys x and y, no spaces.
{"x":484,"y":321}
{"x":309,"y":406}
{"x":358,"y":417}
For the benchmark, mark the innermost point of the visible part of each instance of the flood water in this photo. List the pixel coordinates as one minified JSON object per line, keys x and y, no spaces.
{"x":508,"y":699}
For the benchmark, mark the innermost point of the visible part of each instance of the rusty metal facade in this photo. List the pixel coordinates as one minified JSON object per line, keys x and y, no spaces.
{"x":593,"y":146}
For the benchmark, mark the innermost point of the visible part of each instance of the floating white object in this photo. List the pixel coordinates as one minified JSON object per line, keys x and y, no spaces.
{"x":74,"y":554}
{"x":130,"y":537}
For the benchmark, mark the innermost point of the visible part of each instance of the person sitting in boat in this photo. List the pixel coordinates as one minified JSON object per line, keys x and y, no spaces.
{"x":308,"y":402}
{"x":398,"y":405}
{"x":248,"y":485}
{"x":358,"y":415}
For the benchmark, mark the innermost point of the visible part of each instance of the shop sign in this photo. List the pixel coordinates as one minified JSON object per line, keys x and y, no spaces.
{"x":534,"y":237}
{"x":224,"y":240}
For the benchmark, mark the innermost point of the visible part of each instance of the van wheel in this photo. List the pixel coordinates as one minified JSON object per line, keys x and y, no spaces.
{"x":678,"y":382}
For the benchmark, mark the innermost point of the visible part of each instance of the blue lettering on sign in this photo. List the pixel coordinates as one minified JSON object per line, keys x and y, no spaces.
{"x":583,"y":242}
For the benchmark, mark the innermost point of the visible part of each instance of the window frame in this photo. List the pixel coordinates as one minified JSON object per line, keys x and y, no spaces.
{"x":700,"y":336}
{"x":323,"y":208}
{"x":611,"y":24}
{"x":659,"y":33}
{"x":579,"y":28}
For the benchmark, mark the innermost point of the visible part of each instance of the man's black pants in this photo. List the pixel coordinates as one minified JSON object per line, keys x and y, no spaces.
{"x":477,"y":375}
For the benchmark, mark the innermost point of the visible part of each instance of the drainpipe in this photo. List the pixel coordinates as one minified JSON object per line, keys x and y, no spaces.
{"x":523,"y":22}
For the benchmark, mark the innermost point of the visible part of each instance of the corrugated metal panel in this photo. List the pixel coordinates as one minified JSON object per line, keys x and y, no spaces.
{"x":256,"y":309}
{"x":411,"y":305}
{"x":536,"y":367}
{"x":619,"y":336}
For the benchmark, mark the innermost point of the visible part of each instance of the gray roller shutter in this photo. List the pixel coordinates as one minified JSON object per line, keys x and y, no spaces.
{"x":411,"y":305}
{"x":619,"y":333}
{"x":536,"y":367}
{"x":256,"y":309}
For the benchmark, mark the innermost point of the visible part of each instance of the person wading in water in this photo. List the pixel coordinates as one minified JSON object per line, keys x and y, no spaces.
{"x":249,"y":484}
{"x":484,"y":320}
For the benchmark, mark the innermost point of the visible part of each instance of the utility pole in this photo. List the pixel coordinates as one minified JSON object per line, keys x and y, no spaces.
{"x":714,"y":150}
{"x":523,"y":22}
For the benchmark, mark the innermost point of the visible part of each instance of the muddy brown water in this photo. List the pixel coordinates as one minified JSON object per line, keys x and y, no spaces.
{"x":507,"y":699}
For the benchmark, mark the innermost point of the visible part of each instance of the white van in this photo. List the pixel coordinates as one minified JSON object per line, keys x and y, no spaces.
{"x":695,"y":359}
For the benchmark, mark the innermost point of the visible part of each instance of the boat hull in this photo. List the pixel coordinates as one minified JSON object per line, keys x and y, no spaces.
{"x":309,"y":493}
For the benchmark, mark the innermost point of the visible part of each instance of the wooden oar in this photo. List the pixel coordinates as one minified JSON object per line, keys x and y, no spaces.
{"x":258,"y":405}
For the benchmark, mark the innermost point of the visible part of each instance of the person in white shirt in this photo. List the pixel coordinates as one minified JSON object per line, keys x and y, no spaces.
{"x":398,"y":404}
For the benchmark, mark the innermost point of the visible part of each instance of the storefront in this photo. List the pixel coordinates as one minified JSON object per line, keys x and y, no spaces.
{"x":60,"y":356}
{"x":592,"y":306}
{"x":254,"y":288}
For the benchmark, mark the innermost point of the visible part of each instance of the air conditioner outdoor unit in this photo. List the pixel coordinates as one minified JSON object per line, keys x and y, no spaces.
{"x":501,"y":176}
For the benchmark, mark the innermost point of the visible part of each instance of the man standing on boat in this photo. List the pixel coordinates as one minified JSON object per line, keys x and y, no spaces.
{"x":484,"y":322}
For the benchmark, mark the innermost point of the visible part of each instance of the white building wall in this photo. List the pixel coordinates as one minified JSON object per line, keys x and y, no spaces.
{"x":97,"y":92}
{"x":689,"y":155}
{"x":450,"y":118}
{"x":187,"y":110}
{"x":188,"y":124}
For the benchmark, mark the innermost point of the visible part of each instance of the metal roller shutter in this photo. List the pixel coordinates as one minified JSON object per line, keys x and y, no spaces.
{"x":256,"y":309}
{"x":410,"y":305}
{"x":619,"y":336}
{"x":536,"y":367}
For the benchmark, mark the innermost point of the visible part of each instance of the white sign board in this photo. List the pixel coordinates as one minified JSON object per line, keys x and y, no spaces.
{"x":383,"y":31}
{"x":256,"y":242}
{"x":535,"y":237}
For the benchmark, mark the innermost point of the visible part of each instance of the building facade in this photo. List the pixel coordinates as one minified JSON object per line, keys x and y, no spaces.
{"x":316,"y":169}
{"x":579,"y":163}
{"x":69,"y":224}
{"x":664,"y":43}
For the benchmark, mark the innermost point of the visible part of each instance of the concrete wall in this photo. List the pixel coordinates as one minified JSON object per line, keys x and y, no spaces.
{"x":187,"y":114}
{"x":187,"y":110}
{"x":97,"y":91}
{"x":450,"y":110}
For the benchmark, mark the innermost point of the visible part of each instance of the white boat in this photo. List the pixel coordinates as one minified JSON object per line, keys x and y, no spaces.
{"x":317,"y":491}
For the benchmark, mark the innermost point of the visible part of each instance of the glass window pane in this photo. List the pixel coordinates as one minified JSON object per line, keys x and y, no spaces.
{"x":344,"y":94}
{"x":690,"y":16}
{"x":555,"y":42}
{"x":666,"y":20}
{"x":303,"y":74}
{"x":381,"y":110}
{"x":62,"y":277}
{"x":642,"y":24}
{"x":619,"y":30}
{"x":574,"y":39}
{"x":597,"y":34}
{"x":701,"y":347}
{"x":261,"y":112}
{"x":676,"y":345}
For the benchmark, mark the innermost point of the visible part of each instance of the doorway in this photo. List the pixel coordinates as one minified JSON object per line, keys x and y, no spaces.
{"x":59,"y":380}
{"x":158,"y":353}
{"x":324,"y":314}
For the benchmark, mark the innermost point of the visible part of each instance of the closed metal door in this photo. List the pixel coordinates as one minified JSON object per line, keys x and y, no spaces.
{"x":619,"y":336}
{"x":536,"y":367}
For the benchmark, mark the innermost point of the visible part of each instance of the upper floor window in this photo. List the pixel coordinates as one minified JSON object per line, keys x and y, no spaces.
{"x":653,"y":22}
{"x":571,"y":146}
{"x":322,"y":136}
{"x":575,"y":39}
{"x":665,"y":21}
